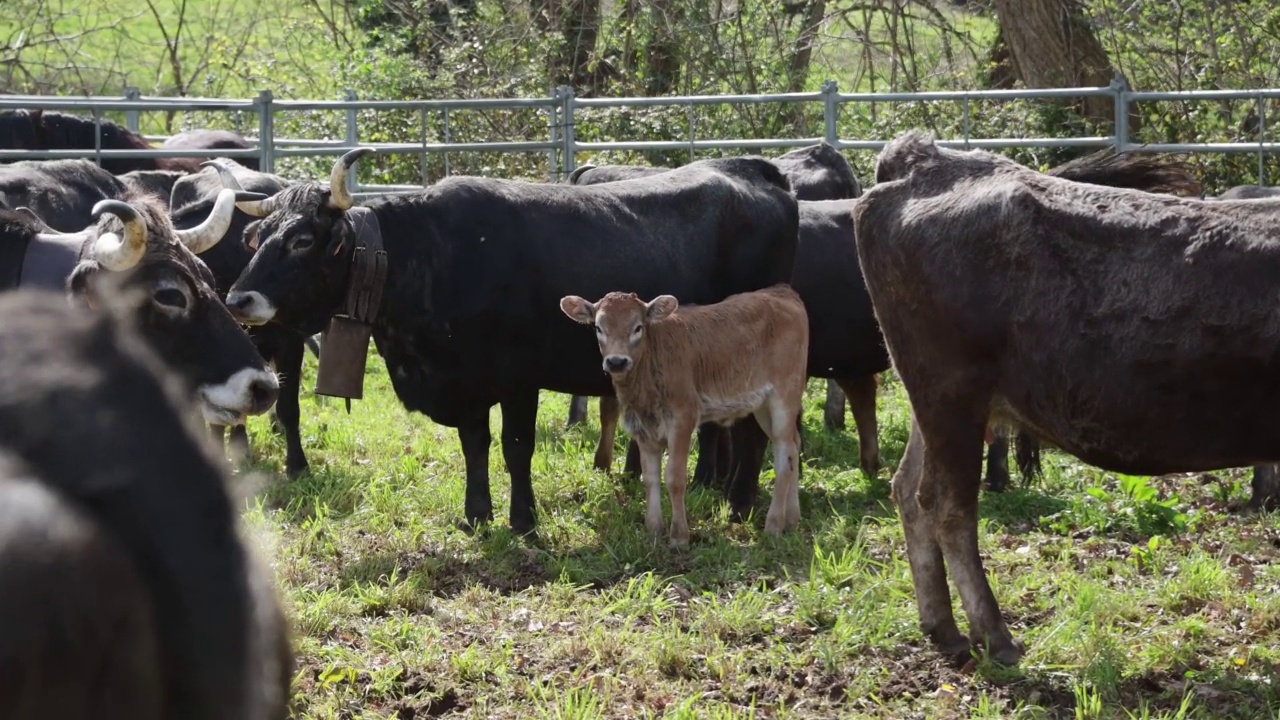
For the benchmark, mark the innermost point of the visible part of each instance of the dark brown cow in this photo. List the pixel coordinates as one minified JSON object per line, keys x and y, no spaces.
{"x":1095,"y":318}
{"x":128,"y":590}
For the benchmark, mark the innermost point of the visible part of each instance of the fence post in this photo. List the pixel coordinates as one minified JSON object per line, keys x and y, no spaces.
{"x":1120,"y":86}
{"x":266,"y":132}
{"x":830,"y":110}
{"x":568,"y":134}
{"x":131,"y":117}
{"x":1262,"y":139}
{"x":353,"y":137}
{"x":553,"y":117}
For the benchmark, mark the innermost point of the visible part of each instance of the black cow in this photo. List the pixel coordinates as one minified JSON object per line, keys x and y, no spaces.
{"x":133,"y":247}
{"x":158,"y":183}
{"x":61,"y":192}
{"x":192,"y":198}
{"x":816,"y":172}
{"x":129,"y":591}
{"x":476,"y":268}
{"x":845,"y":343}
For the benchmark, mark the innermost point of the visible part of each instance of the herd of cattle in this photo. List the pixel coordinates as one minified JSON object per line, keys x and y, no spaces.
{"x":1101,"y":307}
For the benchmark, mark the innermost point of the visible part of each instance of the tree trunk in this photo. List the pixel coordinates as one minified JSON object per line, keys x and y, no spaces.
{"x":802,"y":49}
{"x":663,"y":56}
{"x":581,"y":26}
{"x":1051,"y":44}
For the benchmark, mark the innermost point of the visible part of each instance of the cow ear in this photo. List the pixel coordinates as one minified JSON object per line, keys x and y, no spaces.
{"x":79,"y":284}
{"x":661,"y":307}
{"x":342,"y":235}
{"x":578,"y":309}
{"x":37,"y":115}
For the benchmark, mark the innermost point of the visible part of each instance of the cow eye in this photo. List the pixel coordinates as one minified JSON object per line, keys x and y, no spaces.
{"x":302,"y":242}
{"x":170,"y":297}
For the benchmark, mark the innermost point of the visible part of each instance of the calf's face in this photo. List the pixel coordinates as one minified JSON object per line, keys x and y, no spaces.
{"x":621,"y":321}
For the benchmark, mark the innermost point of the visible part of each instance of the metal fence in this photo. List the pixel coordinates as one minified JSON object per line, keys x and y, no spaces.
{"x":562,"y":146}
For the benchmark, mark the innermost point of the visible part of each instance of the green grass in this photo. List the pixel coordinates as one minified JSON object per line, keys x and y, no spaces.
{"x":397,"y":613}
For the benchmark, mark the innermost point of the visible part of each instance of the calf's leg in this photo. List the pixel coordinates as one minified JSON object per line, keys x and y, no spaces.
{"x":519,"y":423}
{"x":833,"y":411}
{"x":608,"y":432}
{"x":948,"y":495}
{"x":1266,"y":488}
{"x":679,"y":440}
{"x":474,"y":436}
{"x":779,"y":423}
{"x":862,"y":401}
{"x":577,"y":410}
{"x":651,"y":470}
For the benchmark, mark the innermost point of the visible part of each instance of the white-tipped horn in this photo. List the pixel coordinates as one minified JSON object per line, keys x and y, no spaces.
{"x":258,"y":205}
{"x":339,"y":195}
{"x":207,"y":234}
{"x":109,"y":250}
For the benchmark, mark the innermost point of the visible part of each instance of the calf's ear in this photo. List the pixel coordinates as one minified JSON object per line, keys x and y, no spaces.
{"x":661,"y":307}
{"x":578,"y":309}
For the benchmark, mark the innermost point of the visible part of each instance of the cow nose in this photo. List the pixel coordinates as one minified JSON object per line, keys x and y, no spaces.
{"x":239,"y":301}
{"x":263,"y":394}
{"x":616,"y":363}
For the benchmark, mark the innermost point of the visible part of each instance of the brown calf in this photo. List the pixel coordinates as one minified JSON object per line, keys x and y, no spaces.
{"x":711,"y":363}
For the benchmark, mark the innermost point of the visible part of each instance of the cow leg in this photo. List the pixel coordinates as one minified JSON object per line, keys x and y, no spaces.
{"x":779,"y":423}
{"x":928,"y":573}
{"x":239,"y":442}
{"x":219,"y":435}
{"x":474,"y":436}
{"x":748,"y":443}
{"x":1266,"y":488}
{"x":519,"y":425}
{"x":631,"y":468}
{"x":651,"y":471}
{"x":608,"y":432}
{"x":998,"y":460}
{"x":1027,"y":452}
{"x":679,"y":441}
{"x":577,"y":410}
{"x":948,"y":495}
{"x":862,"y":401}
{"x":288,"y":361}
{"x":833,"y":412}
{"x":714,"y":455}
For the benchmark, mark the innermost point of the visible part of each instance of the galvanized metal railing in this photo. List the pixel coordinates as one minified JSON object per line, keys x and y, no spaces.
{"x":562,"y":146}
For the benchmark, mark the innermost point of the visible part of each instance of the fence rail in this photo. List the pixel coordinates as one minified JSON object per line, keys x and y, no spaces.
{"x":562,"y":146}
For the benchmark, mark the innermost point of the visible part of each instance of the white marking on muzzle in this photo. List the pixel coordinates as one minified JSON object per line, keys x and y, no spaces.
{"x":230,"y":402}
{"x":251,"y":308}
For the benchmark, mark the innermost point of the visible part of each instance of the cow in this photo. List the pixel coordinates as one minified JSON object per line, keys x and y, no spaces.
{"x":62,"y":193}
{"x":476,"y":267}
{"x":130,"y":588}
{"x":1247,"y":192}
{"x":845,"y":340}
{"x":133,"y":247}
{"x":191,"y":199}
{"x":212,"y":139}
{"x":158,"y":183}
{"x":816,"y":172}
{"x":672,"y":371}
{"x":1095,"y":318}
{"x":37,"y":129}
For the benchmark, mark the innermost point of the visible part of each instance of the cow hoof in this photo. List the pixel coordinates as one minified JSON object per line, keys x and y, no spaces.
{"x":871,"y":468}
{"x":775,"y":524}
{"x":293,"y":472}
{"x":739,"y":514}
{"x":1008,"y":653}
{"x":679,"y":542}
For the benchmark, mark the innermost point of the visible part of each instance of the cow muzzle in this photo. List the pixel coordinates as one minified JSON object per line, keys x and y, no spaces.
{"x":250,"y":308}
{"x":250,"y":391}
{"x":617,"y":364}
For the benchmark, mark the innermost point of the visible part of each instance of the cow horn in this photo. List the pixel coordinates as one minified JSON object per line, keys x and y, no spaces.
{"x":208,"y":233}
{"x":109,"y":250}
{"x":40,"y":224}
{"x":261,"y":206}
{"x":339,"y":195}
